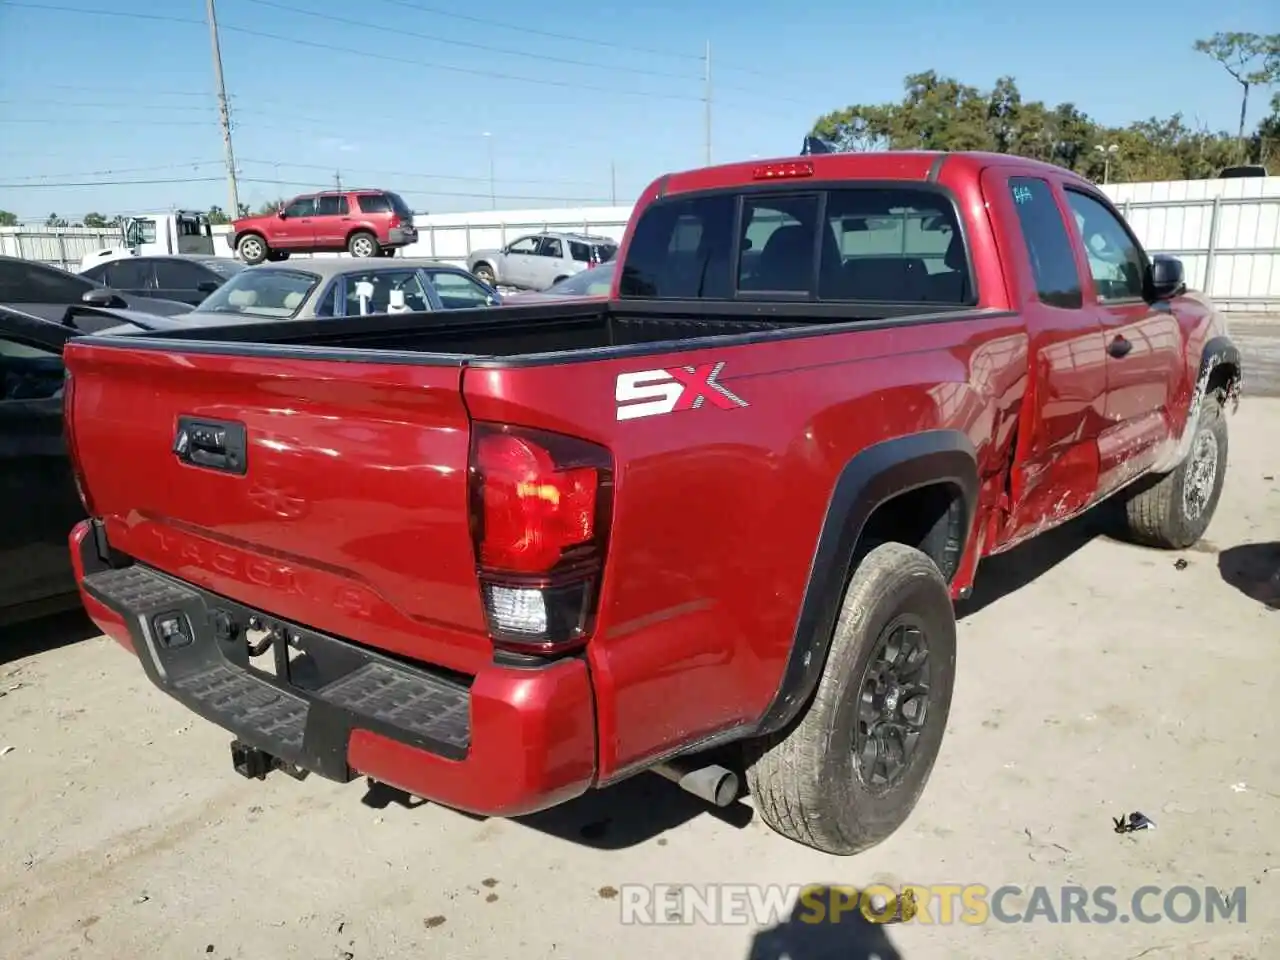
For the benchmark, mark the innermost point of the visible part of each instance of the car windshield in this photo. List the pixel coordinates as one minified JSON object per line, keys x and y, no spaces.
{"x":596,"y":282}
{"x":257,"y":292}
{"x":224,"y":266}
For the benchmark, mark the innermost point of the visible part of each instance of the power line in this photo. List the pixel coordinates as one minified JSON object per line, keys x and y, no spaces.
{"x":406,"y":175}
{"x":402,"y":31}
{"x":119,"y":170}
{"x":301,"y":184}
{"x":337,"y":48}
{"x":487,"y":22}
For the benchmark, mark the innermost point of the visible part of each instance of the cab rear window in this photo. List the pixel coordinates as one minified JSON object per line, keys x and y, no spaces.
{"x":898,"y":245}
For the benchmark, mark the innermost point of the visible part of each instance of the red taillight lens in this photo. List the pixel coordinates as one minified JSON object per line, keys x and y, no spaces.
{"x":540,"y":505}
{"x":395,"y":220}
{"x":69,"y":440}
{"x":783,"y":171}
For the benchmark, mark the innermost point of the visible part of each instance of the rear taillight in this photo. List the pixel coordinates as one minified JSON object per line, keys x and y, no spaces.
{"x":540,"y":509}
{"x":69,"y":440}
{"x":395,"y":220}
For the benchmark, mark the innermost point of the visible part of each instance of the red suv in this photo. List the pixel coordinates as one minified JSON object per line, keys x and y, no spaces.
{"x":365,"y":223}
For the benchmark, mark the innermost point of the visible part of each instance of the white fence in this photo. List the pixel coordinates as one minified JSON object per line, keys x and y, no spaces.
{"x":57,"y":246}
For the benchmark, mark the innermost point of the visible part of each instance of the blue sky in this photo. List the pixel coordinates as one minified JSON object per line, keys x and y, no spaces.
{"x":361,"y":90}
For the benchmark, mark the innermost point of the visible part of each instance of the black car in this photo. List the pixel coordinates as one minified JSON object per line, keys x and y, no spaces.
{"x":45,"y":291}
{"x":38,"y":500}
{"x":189,"y":278}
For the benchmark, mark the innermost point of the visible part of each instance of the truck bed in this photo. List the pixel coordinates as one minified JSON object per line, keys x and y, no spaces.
{"x":536,"y":330}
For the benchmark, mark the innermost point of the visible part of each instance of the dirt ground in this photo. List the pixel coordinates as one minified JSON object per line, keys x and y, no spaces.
{"x":1095,"y":679}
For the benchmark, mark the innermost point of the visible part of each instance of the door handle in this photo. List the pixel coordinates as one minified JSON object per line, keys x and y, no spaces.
{"x":213,"y":444}
{"x":1119,"y":347}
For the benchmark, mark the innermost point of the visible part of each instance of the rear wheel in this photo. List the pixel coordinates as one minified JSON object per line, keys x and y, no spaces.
{"x":484,"y":273}
{"x":1175,"y":511}
{"x":849,"y":772}
{"x":362,"y":244}
{"x":252,"y":248}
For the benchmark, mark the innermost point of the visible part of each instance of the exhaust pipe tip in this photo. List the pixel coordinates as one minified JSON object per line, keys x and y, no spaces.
{"x":713,"y":783}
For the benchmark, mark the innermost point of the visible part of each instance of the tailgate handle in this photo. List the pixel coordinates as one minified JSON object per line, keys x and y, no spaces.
{"x":214,"y":444}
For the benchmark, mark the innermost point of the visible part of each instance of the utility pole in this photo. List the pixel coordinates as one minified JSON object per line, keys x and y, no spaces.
{"x":337,"y":180}
{"x":613,"y":183}
{"x":224,"y":115}
{"x":707,"y":97}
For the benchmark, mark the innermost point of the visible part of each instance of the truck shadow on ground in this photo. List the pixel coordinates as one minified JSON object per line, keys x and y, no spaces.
{"x":29,"y":637}
{"x":1005,"y":573}
{"x":852,"y":937}
{"x":1254,"y":570}
{"x":627,"y":814}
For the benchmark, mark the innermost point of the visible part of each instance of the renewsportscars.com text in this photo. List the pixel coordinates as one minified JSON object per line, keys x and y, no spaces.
{"x":943,"y":904}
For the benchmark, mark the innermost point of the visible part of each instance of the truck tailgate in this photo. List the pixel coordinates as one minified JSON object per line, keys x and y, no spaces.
{"x":345,"y":510}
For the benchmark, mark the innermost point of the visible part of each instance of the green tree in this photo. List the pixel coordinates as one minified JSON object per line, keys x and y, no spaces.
{"x":8,"y":219}
{"x":1251,"y":59}
{"x":53,"y":220}
{"x":95,"y":220}
{"x":941,"y":113}
{"x":217,"y":216}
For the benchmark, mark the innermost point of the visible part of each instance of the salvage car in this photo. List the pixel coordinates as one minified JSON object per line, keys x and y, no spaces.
{"x":713,"y":524}
{"x":363,"y":223}
{"x":36,"y":482}
{"x":188,"y":279}
{"x":323,"y":288}
{"x":538,"y":261}
{"x":46,"y":291}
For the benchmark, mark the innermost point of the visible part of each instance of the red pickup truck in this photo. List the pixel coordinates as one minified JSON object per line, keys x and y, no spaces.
{"x":715,"y":523}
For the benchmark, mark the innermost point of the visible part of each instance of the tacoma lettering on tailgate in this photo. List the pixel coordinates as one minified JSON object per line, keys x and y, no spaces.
{"x":650,"y":393}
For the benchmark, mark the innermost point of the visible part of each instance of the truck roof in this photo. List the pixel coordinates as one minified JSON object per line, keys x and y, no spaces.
{"x":923,"y":165}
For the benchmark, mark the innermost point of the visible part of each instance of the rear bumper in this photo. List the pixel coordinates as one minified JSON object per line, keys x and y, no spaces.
{"x":505,"y":742}
{"x":402,"y":236}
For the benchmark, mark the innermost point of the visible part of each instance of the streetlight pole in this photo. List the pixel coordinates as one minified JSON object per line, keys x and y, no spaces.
{"x":1107,"y":153}
{"x":493,"y":189}
{"x":224,"y":115}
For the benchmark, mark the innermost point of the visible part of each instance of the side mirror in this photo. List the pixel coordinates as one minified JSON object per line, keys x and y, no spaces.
{"x":102,"y":297}
{"x":1165,"y":277}
{"x":207,"y":286}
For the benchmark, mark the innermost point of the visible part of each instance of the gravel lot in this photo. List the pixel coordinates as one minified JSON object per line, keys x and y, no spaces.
{"x":1095,"y":679}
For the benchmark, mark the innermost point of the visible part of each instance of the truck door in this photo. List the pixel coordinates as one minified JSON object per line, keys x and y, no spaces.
{"x":1055,"y":471}
{"x":1144,"y":342}
{"x":332,"y":221}
{"x":518,"y":263}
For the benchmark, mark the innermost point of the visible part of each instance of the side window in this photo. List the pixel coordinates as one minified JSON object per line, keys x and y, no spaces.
{"x":1117,"y":264}
{"x":552,"y":247}
{"x":179,"y":275}
{"x":1053,"y":263}
{"x":458,"y":292}
{"x":369,"y":292}
{"x":25,"y":282}
{"x":301,"y":207}
{"x":896,"y":245}
{"x":682,"y":249}
{"x":128,"y":274}
{"x":328,"y":304}
{"x":331,"y":205}
{"x":28,"y":372}
{"x":373,"y":203}
{"x":579,"y":251}
{"x":525,"y":245}
{"x":778,"y":244}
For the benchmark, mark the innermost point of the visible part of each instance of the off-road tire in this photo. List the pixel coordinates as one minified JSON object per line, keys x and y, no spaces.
{"x":1168,"y":513}
{"x":252,"y":248}
{"x":805,"y":780}
{"x":363,"y":240}
{"x":484,"y":273}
